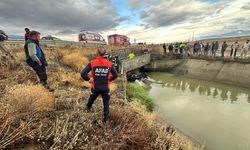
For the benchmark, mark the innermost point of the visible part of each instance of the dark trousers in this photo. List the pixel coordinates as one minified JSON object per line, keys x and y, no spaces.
{"x":105,"y":98}
{"x":234,"y":53}
{"x":222,"y":53}
{"x":40,"y":71}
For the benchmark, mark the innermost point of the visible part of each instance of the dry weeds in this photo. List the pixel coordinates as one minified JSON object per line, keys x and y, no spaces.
{"x":67,"y":125}
{"x":22,"y":98}
{"x":75,"y":60}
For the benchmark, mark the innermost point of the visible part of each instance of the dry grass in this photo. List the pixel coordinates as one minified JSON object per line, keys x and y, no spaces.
{"x":69,"y":125}
{"x":22,"y":98}
{"x":75,"y":60}
{"x":113,"y":87}
{"x":20,"y":56}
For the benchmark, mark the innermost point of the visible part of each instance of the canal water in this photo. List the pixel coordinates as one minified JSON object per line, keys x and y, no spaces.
{"x":217,"y":115}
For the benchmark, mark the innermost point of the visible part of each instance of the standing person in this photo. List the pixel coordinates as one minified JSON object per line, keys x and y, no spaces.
{"x":27,"y":34}
{"x":171,"y":48}
{"x":213,"y":49}
{"x":245,"y":49}
{"x":186,"y":50}
{"x":35,"y":58}
{"x":234,"y":49}
{"x":206,"y":49}
{"x":165,"y":49}
{"x":196,"y":48}
{"x":201,"y":48}
{"x":223,"y":48}
{"x":176,"y":46}
{"x":101,"y":78}
{"x":182,"y":46}
{"x":216,"y":47}
{"x":131,"y":55}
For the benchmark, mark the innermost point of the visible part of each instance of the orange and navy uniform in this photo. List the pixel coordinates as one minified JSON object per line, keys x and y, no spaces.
{"x":101,"y":73}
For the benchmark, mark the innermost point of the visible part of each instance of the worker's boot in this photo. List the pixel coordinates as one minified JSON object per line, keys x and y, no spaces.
{"x":46,"y":86}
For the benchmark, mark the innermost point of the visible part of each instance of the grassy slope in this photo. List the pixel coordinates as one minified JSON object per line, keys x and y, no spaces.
{"x":138,"y":93}
{"x":59,"y":121}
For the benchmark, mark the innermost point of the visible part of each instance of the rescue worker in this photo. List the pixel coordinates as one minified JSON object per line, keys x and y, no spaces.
{"x":101,"y":78}
{"x":107,"y":56}
{"x":27,"y":33}
{"x":245,"y":49}
{"x":223,"y":48}
{"x":117,"y":63}
{"x":131,"y":55}
{"x":182,"y":46}
{"x":35,"y":58}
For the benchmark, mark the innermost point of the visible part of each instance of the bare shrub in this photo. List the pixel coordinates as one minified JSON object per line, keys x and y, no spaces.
{"x":11,"y":128}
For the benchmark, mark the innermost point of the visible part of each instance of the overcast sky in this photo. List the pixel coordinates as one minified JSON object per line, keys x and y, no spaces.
{"x":152,"y":21}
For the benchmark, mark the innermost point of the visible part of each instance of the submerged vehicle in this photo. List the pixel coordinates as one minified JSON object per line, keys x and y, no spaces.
{"x":118,"y":40}
{"x":91,"y":37}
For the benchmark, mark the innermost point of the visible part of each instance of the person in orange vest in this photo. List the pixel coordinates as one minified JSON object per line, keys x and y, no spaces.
{"x":101,"y":70}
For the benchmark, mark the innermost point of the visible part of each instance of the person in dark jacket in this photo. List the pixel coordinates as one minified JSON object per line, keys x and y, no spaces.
{"x":223,"y":48}
{"x":27,"y":33}
{"x":213,"y":49}
{"x":206,"y":49}
{"x":171,"y":48}
{"x":216,"y":47}
{"x":165,"y":49}
{"x":35,"y":58}
{"x":101,"y":70}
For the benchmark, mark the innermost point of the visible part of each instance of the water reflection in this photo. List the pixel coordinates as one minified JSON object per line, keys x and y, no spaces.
{"x":225,"y":92}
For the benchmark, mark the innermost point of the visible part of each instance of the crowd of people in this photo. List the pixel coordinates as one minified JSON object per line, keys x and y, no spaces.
{"x":208,"y":49}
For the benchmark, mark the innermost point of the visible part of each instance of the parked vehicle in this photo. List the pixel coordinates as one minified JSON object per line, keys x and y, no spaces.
{"x":50,"y":38}
{"x":91,"y":37}
{"x":3,"y":36}
{"x":118,"y":40}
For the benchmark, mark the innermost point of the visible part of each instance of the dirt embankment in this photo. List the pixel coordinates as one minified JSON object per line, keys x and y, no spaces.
{"x":33,"y":118}
{"x":227,"y":72}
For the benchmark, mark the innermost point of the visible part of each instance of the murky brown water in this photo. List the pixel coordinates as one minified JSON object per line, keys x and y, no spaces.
{"x":215,"y":114}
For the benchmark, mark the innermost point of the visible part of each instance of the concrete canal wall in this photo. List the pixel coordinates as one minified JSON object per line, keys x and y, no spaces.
{"x":235,"y":73}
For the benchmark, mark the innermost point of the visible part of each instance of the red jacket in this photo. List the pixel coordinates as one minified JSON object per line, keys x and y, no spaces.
{"x":101,"y":70}
{"x":26,"y":36}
